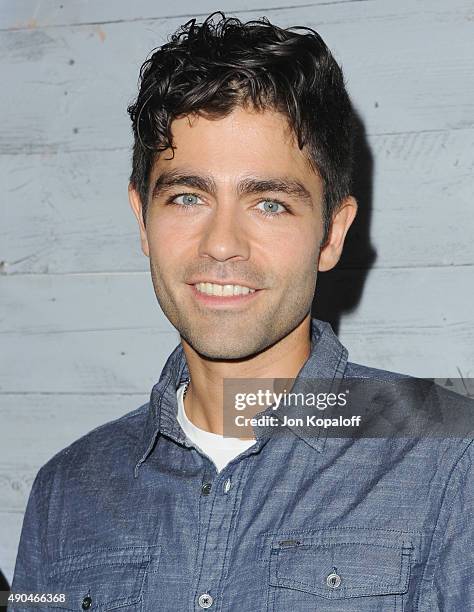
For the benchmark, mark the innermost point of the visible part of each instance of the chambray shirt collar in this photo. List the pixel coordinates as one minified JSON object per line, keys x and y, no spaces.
{"x":327,"y":361}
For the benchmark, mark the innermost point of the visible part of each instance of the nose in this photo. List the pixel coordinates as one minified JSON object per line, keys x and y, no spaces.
{"x":223,"y":235}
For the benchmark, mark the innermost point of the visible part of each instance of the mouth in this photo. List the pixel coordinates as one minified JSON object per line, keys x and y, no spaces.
{"x":213,"y":294}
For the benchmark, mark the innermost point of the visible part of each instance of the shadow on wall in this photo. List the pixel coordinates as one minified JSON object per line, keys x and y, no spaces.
{"x":4,"y":586}
{"x":339,"y":290}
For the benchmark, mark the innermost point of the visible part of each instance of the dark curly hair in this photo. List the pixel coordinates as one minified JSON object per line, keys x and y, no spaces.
{"x":210,"y":68}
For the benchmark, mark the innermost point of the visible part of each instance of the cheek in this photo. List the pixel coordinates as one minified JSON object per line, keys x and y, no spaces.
{"x":294,"y":249}
{"x":165,"y":239}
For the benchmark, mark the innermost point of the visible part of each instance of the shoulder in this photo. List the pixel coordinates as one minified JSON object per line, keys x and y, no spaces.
{"x":430,"y":394}
{"x":427,"y":389}
{"x":441,"y":419}
{"x":113,"y":444}
{"x":357,"y":370}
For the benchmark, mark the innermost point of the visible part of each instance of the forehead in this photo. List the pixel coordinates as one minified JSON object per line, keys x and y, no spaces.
{"x":244,"y":140}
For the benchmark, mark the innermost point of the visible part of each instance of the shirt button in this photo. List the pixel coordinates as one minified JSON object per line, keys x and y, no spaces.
{"x":227,"y":485}
{"x":333,"y":580}
{"x":206,"y":488}
{"x":205,"y":600}
{"x":86,"y":603}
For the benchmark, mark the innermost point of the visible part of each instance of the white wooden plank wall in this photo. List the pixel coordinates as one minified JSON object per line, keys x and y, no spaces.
{"x":82,"y":337}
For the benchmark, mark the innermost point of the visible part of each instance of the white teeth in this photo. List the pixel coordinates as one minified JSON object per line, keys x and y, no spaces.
{"x":223,"y":290}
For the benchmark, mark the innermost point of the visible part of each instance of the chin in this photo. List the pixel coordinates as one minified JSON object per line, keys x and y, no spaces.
{"x":214,"y":347}
{"x":222,"y":353}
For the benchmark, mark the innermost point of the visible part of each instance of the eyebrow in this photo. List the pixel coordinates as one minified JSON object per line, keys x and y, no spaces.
{"x":248,"y":185}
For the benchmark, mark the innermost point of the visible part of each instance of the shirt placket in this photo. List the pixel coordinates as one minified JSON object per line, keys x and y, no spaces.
{"x":220,"y":499}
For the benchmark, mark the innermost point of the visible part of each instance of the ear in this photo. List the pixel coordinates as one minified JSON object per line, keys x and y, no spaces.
{"x":136,"y":204}
{"x":340,"y":224}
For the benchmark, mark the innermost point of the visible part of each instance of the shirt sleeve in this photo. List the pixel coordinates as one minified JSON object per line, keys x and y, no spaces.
{"x":453,"y":584}
{"x":28,"y":575}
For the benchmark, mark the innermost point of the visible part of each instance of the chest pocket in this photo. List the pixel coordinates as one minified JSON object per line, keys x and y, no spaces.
{"x":101,"y":579}
{"x":339,"y":570}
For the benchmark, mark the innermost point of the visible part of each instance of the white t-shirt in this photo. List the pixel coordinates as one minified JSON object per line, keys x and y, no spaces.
{"x":219,"y":449}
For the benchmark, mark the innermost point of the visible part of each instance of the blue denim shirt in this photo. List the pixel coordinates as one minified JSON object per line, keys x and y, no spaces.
{"x":131,"y":516}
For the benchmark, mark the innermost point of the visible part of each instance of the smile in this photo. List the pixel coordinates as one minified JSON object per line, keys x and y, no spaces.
{"x":222,"y":290}
{"x":215,"y":296}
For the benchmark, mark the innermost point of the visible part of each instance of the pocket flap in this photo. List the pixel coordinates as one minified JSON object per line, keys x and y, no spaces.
{"x":341,"y":566}
{"x":101,"y":579}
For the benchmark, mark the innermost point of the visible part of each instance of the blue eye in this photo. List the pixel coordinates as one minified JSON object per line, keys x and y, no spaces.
{"x":271,"y":208}
{"x":189,"y":199}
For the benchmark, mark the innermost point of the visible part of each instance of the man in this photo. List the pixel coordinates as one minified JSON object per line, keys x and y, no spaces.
{"x":241,"y":188}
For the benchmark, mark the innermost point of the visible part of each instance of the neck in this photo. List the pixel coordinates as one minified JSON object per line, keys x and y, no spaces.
{"x":203,"y":400}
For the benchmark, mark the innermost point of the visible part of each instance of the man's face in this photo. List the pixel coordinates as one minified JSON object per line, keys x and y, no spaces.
{"x":260,"y":237}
